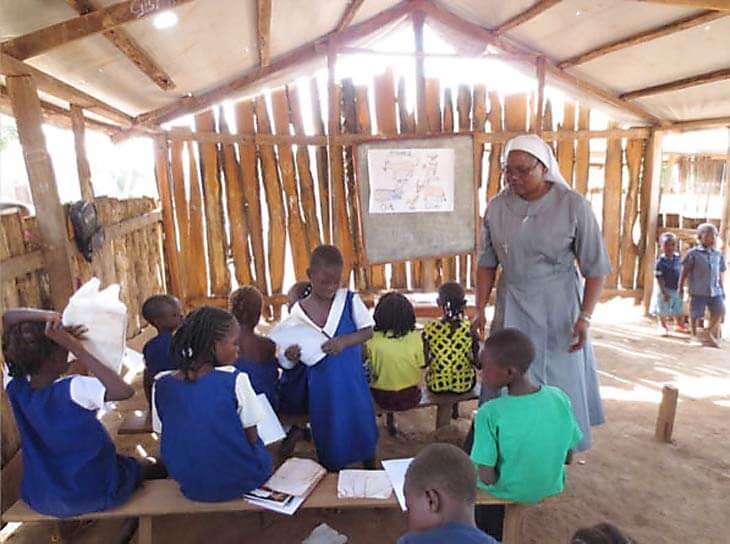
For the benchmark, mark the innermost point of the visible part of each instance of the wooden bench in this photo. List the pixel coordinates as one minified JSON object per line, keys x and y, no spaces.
{"x":163,"y":498}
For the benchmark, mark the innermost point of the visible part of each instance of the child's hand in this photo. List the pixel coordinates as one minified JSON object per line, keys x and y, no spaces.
{"x":333,"y":346}
{"x":293,"y":353}
{"x":66,"y":337}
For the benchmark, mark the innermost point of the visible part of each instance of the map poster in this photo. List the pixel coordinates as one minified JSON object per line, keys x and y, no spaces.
{"x":411,"y":180}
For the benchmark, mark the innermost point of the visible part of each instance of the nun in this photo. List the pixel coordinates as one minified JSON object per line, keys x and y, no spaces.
{"x":546,"y":240}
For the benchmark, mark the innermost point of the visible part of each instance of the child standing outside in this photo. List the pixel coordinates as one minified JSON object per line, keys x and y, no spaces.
{"x":256,"y":354}
{"x":206,"y":412}
{"x":702,"y":268}
{"x":396,"y":358}
{"x":340,"y":406}
{"x":522,"y":440}
{"x":163,"y":312}
{"x":667,"y":302}
{"x":440,"y":491}
{"x":70,"y":465}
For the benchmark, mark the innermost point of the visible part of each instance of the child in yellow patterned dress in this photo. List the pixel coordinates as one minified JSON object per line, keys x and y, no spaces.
{"x":450,"y":347}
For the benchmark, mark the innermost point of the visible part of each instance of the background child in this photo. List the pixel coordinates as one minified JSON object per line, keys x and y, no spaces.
{"x":522,"y":440}
{"x":703,"y":267}
{"x":207,"y":411}
{"x":340,"y":406}
{"x":440,"y":490}
{"x":667,"y":302}
{"x":451,"y":348}
{"x":293,"y":381}
{"x":256,"y":354}
{"x":395,"y":353}
{"x":163,"y":312}
{"x":603,"y":533}
{"x":70,"y":465}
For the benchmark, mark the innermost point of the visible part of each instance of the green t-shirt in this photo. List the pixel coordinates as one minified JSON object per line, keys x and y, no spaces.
{"x":527,"y":437}
{"x":396,"y":362}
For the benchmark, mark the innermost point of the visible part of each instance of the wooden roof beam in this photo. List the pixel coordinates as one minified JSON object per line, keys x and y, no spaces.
{"x":348,"y":15}
{"x":521,"y":18}
{"x":129,"y":47}
{"x":642,"y":37}
{"x":678,"y":84}
{"x":699,"y":124}
{"x":699,"y":4}
{"x":263,"y":31}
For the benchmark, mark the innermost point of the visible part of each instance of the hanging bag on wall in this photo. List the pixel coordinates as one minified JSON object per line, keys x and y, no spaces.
{"x":88,"y":233}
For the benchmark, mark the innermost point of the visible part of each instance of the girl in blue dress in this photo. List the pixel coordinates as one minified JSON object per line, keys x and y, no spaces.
{"x":70,"y":465}
{"x":206,"y":412}
{"x":340,"y":406}
{"x":256,"y":354}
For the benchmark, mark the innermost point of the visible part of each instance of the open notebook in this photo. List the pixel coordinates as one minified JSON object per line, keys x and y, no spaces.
{"x":289,"y":486}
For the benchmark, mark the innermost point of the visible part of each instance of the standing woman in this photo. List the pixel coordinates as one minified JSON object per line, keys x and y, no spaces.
{"x":538,"y":229}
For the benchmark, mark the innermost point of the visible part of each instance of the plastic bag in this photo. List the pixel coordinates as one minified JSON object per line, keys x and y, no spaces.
{"x":105,"y":317}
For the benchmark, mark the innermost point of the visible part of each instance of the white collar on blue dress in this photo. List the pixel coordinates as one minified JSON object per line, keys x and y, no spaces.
{"x":333,"y":319}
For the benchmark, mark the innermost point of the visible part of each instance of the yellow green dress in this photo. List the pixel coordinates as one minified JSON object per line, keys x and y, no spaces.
{"x":450,"y":368}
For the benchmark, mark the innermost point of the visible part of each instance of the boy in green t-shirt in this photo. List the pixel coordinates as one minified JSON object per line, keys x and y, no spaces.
{"x":522,"y":440}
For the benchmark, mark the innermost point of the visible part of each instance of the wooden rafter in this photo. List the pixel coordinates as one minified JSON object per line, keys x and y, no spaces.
{"x":348,"y":15}
{"x":695,"y":124}
{"x":700,"y":4}
{"x":36,"y":42}
{"x":701,"y":79}
{"x":642,"y":37}
{"x":129,"y":47}
{"x":263,"y":31}
{"x":521,"y":18}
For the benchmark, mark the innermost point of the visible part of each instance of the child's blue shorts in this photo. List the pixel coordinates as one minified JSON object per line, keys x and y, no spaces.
{"x":698,"y":304}
{"x":667,"y":308}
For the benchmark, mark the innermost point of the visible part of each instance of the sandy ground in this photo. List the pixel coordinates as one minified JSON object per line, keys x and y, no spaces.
{"x":673,"y":493}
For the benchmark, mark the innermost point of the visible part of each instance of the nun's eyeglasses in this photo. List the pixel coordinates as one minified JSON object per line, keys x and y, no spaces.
{"x":521,"y":172}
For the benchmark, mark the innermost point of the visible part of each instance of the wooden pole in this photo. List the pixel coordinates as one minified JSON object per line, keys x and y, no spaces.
{"x":667,"y":412}
{"x":725,"y":223}
{"x":82,"y":163}
{"x":652,"y":177}
{"x":51,"y":221}
{"x":539,"y":113}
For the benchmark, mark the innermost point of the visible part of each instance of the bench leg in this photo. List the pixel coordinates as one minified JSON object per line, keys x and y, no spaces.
{"x":144,"y":531}
{"x":514,"y":515}
{"x":443,"y":415}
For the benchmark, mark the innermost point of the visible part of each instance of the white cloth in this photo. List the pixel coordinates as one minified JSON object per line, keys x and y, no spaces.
{"x":86,"y":391}
{"x":249,"y":410}
{"x":536,"y":146}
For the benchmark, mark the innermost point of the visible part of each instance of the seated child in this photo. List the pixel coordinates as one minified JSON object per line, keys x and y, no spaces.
{"x":70,"y":465}
{"x":293,"y":381}
{"x":451,"y":348}
{"x":703,"y":267}
{"x":395,"y":353}
{"x":522,"y":440}
{"x":341,"y":410}
{"x":206,"y":412}
{"x":256,"y":354}
{"x":440,"y":490}
{"x":603,"y":533}
{"x":163,"y":312}
{"x":667,"y":303}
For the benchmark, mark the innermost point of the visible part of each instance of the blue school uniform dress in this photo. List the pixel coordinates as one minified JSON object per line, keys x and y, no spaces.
{"x":292,"y":390}
{"x":667,"y":269}
{"x":341,"y":410}
{"x":70,"y":465}
{"x":203,"y":443}
{"x":264,"y":378}
{"x":157,"y":356}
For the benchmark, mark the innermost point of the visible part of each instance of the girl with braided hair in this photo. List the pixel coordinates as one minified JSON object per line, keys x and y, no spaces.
{"x":450,"y":347}
{"x":206,"y":412}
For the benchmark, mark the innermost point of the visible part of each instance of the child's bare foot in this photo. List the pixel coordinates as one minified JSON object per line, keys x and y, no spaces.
{"x":390,"y":424}
{"x":714,"y":336}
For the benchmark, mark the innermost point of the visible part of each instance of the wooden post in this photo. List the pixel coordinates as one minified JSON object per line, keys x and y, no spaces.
{"x":514,"y":516}
{"x":725,"y":223}
{"x":611,"y":204}
{"x":51,"y":221}
{"x":652,"y":178}
{"x":539,"y":108}
{"x":667,"y":411}
{"x":82,"y":163}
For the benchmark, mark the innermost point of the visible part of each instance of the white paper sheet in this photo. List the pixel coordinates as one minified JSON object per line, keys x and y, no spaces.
{"x":324,"y":534}
{"x":269,"y":428}
{"x":293,"y":332}
{"x":363,"y":484}
{"x":396,"y":471}
{"x":288,"y":509}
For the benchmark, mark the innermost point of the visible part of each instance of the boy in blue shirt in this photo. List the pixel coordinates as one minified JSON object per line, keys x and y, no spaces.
{"x":521,"y":440}
{"x":667,"y":302}
{"x":703,"y":267}
{"x":164,"y":313}
{"x":440,"y":490}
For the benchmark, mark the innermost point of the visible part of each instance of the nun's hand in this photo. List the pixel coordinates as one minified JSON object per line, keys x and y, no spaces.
{"x":580,"y":334}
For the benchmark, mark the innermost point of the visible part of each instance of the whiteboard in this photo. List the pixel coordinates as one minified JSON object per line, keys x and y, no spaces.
{"x":418,"y":197}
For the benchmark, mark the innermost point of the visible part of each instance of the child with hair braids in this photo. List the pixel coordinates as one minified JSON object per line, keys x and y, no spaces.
{"x":206,"y":412}
{"x":451,"y":348}
{"x":256,"y":354}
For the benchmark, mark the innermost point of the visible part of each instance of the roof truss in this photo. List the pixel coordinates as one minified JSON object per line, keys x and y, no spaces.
{"x":348,"y":14}
{"x":263,"y":31}
{"x":701,"y":79}
{"x":521,"y":18}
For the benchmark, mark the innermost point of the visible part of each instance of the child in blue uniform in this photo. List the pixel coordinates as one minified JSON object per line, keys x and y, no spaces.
{"x":163,"y":312}
{"x":440,"y":489}
{"x":340,"y":406}
{"x":206,"y":412}
{"x":293,"y":381}
{"x":667,"y":303}
{"x":256,"y":354}
{"x":70,"y":465}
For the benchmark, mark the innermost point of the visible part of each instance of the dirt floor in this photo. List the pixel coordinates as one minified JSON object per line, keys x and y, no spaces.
{"x":673,"y":493}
